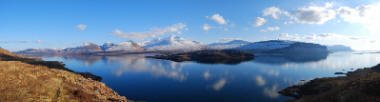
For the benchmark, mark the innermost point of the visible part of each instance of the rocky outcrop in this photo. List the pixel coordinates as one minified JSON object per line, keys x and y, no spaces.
{"x":209,"y":56}
{"x":26,"y":79}
{"x":359,"y":86}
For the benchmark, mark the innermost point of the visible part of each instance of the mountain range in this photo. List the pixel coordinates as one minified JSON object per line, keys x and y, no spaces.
{"x":178,"y":44}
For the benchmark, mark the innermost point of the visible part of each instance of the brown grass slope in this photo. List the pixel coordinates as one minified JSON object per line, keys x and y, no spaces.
{"x":26,"y":79}
{"x":362,"y":85}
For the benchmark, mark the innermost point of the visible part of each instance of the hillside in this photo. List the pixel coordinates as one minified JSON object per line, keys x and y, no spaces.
{"x":26,"y":79}
{"x":361,"y":85}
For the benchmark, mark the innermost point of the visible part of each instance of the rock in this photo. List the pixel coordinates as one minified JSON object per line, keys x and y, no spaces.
{"x":358,"y":86}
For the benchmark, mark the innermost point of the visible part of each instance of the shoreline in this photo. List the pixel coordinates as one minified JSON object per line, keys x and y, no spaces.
{"x":33,"y":79}
{"x":360,"y":85}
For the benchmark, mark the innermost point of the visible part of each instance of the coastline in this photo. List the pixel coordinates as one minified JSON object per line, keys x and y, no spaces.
{"x":357,"y":86}
{"x":32,"y":79}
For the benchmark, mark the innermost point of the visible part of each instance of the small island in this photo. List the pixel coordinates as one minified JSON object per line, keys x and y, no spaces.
{"x":209,"y":56}
{"x":361,"y":85}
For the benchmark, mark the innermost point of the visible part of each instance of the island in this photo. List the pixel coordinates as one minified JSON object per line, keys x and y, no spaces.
{"x":361,"y":85}
{"x":209,"y":56}
{"x":26,"y":79}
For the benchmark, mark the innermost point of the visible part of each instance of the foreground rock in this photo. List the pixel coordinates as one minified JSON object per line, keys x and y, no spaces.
{"x":25,"y":79}
{"x":209,"y":56}
{"x":359,"y":86}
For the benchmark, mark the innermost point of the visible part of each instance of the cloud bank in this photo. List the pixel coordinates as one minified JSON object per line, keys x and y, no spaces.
{"x":153,"y":32}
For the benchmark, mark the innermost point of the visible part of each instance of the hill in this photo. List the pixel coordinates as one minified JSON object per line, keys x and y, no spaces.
{"x":26,"y":79}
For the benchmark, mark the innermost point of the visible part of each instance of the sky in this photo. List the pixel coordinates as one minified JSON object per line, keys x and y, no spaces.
{"x":69,"y":23}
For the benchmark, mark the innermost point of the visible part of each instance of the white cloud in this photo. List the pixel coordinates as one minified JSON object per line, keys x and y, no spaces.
{"x":259,"y":21}
{"x":217,"y":18}
{"x":313,"y":15}
{"x":270,"y":29}
{"x":38,"y":41}
{"x":272,"y":11}
{"x":206,"y":27}
{"x":153,"y":32}
{"x":367,"y":15}
{"x":304,"y":15}
{"x":81,"y":27}
{"x":288,"y":22}
{"x":355,"y":42}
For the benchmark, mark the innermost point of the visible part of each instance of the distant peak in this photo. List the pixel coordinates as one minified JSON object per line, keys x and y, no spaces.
{"x":88,"y":44}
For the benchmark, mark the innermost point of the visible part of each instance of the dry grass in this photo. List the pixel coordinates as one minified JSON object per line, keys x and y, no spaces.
{"x":27,"y":79}
{"x":21,"y":82}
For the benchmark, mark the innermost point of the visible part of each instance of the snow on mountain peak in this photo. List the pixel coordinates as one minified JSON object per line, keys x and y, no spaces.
{"x":268,"y":45}
{"x":227,"y":44}
{"x":122,"y":46}
{"x":172,"y":43}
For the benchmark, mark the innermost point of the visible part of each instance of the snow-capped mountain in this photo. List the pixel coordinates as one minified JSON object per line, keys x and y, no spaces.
{"x":284,"y":46}
{"x":128,"y":46}
{"x":227,"y":45}
{"x":172,"y":43}
{"x":267,"y":45}
{"x":86,"y":48}
{"x":39,"y":52}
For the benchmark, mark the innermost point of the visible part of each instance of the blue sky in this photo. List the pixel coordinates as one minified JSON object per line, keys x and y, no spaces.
{"x":68,"y":23}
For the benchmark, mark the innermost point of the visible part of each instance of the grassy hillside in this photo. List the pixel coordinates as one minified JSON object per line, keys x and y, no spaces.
{"x":26,"y":79}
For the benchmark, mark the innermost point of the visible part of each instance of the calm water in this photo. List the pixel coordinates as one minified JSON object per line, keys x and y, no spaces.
{"x":155,"y":80}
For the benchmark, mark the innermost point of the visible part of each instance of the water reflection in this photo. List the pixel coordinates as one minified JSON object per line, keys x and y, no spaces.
{"x":156,"y":80}
{"x":284,"y":59}
{"x":158,"y":68}
{"x":272,"y":92}
{"x":259,"y":81}
{"x":219,"y":84}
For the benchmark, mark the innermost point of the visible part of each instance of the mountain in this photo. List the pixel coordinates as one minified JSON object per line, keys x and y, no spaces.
{"x":40,"y":52}
{"x":227,"y":45}
{"x":178,"y":44}
{"x":339,"y":48}
{"x":263,"y":46}
{"x":128,"y":46}
{"x":87,"y":48}
{"x":172,"y":43}
{"x":286,"y":48}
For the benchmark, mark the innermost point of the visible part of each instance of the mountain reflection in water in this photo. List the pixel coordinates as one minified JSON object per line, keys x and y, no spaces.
{"x":155,"y":80}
